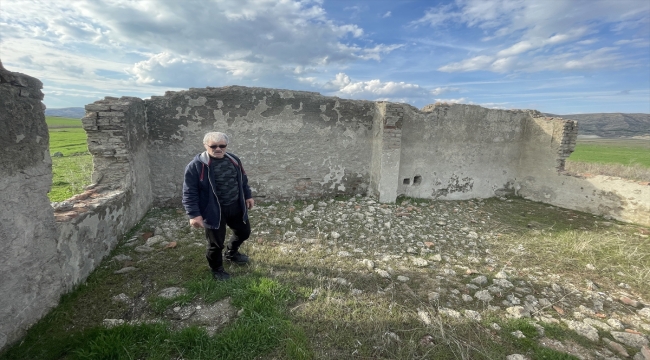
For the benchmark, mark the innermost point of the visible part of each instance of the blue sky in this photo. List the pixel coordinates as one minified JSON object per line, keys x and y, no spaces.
{"x":556,"y":56}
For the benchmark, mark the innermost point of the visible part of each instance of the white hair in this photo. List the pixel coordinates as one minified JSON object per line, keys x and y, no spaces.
{"x":215,"y":137}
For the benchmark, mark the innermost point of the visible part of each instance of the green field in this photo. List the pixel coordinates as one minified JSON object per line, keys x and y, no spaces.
{"x":613,"y":151}
{"x":55,"y":122}
{"x":71,"y":172}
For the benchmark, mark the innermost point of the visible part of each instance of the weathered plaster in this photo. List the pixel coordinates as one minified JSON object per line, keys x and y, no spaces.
{"x":29,"y":262}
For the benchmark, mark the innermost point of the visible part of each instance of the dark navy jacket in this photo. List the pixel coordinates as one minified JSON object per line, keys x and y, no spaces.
{"x":199,"y":195}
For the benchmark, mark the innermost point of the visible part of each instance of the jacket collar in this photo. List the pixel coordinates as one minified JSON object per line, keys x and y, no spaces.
{"x":205,"y":158}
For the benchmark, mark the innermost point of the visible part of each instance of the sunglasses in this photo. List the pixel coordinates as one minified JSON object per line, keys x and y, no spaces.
{"x":217,"y":146}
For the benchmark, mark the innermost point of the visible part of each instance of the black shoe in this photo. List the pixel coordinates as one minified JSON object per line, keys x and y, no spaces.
{"x":236,"y":257}
{"x":220,"y":274}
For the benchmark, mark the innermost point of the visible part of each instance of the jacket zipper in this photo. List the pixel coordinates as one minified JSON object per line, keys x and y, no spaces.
{"x":213,"y":192}
{"x":241,"y":189}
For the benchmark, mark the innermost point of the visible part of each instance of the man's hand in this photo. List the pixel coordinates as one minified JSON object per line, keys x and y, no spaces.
{"x":250,"y":203}
{"x":196,"y":222}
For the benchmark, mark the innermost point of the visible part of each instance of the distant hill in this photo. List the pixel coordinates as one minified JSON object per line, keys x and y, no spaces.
{"x":611,"y":125}
{"x":71,"y":112}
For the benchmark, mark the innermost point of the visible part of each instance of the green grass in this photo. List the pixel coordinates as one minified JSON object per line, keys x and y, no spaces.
{"x":54,"y":122}
{"x":70,"y":175}
{"x":262,"y":327}
{"x":625,"y":152}
{"x":68,"y":141}
{"x":72,"y":172}
{"x":74,"y":330}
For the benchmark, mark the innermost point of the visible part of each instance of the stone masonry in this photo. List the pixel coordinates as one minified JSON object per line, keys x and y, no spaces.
{"x":29,"y":261}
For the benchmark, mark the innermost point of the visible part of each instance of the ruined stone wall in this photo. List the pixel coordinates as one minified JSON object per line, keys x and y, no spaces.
{"x":29,"y":261}
{"x":293,"y":144}
{"x":454,"y":152}
{"x":90,"y":227}
{"x":541,"y":177}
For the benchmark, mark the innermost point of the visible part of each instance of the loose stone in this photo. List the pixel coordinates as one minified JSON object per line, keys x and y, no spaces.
{"x":516,"y":357}
{"x":633,"y":340}
{"x":518,"y":334}
{"x":618,"y":348}
{"x":517,"y":312}
{"x":171,"y":292}
{"x":383,"y":273}
{"x":583,"y":329}
{"x":473,"y":315}
{"x":143,"y":249}
{"x":480,"y":280}
{"x":424,"y":317}
{"x":125,"y":270}
{"x":483,"y":295}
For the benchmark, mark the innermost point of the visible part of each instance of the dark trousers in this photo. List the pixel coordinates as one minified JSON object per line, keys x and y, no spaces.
{"x":231,"y":215}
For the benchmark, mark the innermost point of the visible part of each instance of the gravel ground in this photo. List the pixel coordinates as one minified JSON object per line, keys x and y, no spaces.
{"x":447,"y":255}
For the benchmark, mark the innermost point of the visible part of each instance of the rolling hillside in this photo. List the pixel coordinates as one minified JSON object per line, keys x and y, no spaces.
{"x":611,"y":125}
{"x":71,"y":112}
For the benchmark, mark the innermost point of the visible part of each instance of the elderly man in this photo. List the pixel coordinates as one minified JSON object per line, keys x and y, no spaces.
{"x":216,"y":194}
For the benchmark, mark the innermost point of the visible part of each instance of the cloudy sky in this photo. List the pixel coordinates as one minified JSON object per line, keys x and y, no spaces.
{"x":557,"y":56}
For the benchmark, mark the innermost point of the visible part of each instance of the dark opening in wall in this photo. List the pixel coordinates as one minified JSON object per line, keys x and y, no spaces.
{"x":406,"y":181}
{"x":417,"y":180}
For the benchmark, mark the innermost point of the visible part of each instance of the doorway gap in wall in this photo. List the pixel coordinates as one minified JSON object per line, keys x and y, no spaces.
{"x":417,"y":180}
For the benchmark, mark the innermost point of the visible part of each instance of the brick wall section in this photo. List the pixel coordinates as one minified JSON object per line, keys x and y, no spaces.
{"x":393,"y":120}
{"x":568,"y":142}
{"x":113,"y":126}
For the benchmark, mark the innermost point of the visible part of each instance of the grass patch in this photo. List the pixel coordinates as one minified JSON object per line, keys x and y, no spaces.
{"x":73,"y":329}
{"x":261,"y":328}
{"x":618,"y":255}
{"x":68,"y":141}
{"x":72,"y":171}
{"x":625,"y":158}
{"x":56,"y":122}
{"x":70,"y":175}
{"x":633,"y":172}
{"x":624,"y":152}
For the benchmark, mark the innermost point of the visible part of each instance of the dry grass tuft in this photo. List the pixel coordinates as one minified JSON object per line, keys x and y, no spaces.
{"x":633,"y":172}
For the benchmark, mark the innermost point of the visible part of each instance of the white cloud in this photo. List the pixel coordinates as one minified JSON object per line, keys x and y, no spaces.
{"x":181,"y":43}
{"x":454,"y":101}
{"x":587,"y":42}
{"x":640,"y":43}
{"x":493,"y":105}
{"x":387,"y":14}
{"x":539,"y":30}
{"x":516,"y":49}
{"x":476,"y":63}
{"x":602,"y":58}
{"x":342,"y":85}
{"x":376,"y":52}
{"x":340,"y":81}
